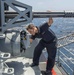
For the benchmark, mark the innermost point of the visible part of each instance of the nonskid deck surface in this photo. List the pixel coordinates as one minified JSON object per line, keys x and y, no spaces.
{"x":21,"y":66}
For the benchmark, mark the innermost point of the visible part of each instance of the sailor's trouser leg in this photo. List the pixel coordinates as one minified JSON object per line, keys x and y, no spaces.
{"x":37,"y":52}
{"x":51,"y":50}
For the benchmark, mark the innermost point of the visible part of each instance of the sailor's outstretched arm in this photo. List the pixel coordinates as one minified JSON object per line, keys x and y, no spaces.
{"x":50,"y":21}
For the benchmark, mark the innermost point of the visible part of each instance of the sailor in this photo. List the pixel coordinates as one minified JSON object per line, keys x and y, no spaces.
{"x":48,"y":41}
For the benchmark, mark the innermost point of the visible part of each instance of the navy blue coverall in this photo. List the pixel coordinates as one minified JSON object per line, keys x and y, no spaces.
{"x":48,"y":41}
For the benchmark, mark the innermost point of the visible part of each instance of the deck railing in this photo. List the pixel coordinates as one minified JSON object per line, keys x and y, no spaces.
{"x":65,"y":57}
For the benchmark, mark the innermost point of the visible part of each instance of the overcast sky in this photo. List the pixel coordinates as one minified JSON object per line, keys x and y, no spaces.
{"x":53,"y":5}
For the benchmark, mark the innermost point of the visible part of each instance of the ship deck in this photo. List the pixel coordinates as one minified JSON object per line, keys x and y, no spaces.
{"x":21,"y":66}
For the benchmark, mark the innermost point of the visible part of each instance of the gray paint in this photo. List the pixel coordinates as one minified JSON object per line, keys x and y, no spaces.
{"x":0,"y":14}
{"x":14,"y":22}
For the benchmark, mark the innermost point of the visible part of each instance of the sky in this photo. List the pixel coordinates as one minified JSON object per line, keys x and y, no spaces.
{"x":52,"y":5}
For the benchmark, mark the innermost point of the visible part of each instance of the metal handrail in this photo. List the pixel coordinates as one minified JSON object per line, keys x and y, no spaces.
{"x":63,"y":60}
{"x":68,"y":50}
{"x":68,"y":39}
{"x":59,"y":58}
{"x":62,"y":42}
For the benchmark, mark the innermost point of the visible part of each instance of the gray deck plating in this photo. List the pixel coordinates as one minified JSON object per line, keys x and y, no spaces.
{"x":21,"y":66}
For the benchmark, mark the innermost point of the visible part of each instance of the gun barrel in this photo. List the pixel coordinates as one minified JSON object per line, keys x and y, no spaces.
{"x":42,"y":14}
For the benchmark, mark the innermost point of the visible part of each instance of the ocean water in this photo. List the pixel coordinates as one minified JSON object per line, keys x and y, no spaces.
{"x":62,"y":27}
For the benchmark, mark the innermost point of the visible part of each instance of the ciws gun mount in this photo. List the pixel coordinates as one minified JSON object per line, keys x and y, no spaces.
{"x":15,"y":41}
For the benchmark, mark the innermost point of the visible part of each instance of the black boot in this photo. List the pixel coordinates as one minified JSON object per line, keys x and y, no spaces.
{"x":33,"y":65}
{"x":48,"y":72}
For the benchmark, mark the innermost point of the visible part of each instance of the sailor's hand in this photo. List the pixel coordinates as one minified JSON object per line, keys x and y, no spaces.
{"x":31,"y":40}
{"x":50,"y":21}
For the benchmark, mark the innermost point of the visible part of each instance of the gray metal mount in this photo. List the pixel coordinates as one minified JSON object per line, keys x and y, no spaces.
{"x":16,"y":21}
